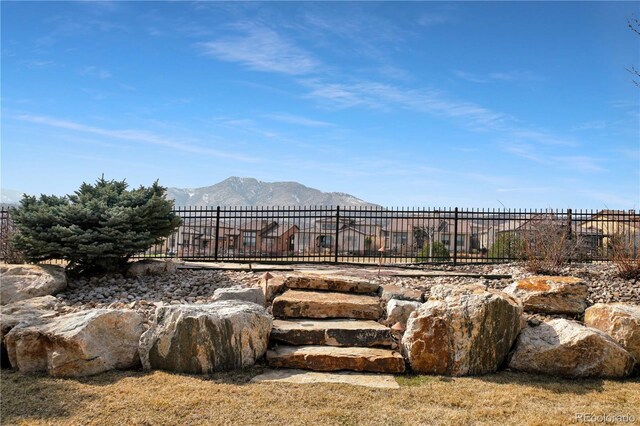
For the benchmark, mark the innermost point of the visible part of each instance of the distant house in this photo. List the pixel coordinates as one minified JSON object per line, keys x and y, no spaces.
{"x":255,"y":238}
{"x":607,"y":223}
{"x":279,"y":240}
{"x":352,"y":236}
{"x":612,"y":222}
{"x":251,"y":235}
{"x":533,"y":225}
{"x":196,"y":238}
{"x":407,"y":236}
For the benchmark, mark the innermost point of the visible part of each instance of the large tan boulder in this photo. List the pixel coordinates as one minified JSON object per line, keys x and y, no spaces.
{"x":78,"y":344}
{"x":146,"y":267}
{"x":462,"y":330}
{"x":390,"y":292}
{"x":26,"y":312}
{"x":251,"y":294}
{"x":399,"y":311}
{"x":567,"y":348}
{"x":620,"y":321}
{"x":200,"y":339}
{"x":20,"y":282}
{"x":551,"y":295}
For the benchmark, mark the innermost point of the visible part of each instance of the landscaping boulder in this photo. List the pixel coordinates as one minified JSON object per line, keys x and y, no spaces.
{"x":78,"y":344}
{"x":567,"y":348}
{"x":399,"y":310}
{"x":200,"y":339}
{"x":389,"y":292}
{"x":462,"y":330}
{"x":620,"y":321}
{"x":253,"y":295}
{"x":20,"y":282}
{"x":551,"y":295}
{"x":151,"y":267}
{"x":27,"y":312}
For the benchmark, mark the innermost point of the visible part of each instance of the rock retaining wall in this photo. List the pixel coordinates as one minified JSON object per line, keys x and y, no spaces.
{"x":458,"y":330}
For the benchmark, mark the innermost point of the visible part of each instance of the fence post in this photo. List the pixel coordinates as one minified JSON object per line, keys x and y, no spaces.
{"x":215,"y":252}
{"x":335,"y":258}
{"x":569,"y":223}
{"x":455,"y":237}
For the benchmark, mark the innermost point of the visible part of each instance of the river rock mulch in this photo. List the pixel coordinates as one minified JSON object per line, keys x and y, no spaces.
{"x":144,"y":294}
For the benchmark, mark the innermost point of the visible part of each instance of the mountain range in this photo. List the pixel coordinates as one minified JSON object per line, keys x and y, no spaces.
{"x":9,"y":196}
{"x":242,"y":192}
{"x":245,"y":192}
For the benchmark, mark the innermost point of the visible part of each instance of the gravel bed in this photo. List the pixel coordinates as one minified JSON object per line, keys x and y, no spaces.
{"x":144,"y":294}
{"x":604,"y":285}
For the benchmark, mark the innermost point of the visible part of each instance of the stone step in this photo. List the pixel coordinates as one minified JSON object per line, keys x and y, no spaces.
{"x":324,"y":304}
{"x":331,"y":283}
{"x":332,"y":358}
{"x":331,"y":332}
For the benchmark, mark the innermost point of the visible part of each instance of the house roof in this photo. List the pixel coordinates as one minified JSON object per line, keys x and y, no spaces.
{"x":629,"y":217}
{"x":279,"y":231}
{"x":518,"y":224}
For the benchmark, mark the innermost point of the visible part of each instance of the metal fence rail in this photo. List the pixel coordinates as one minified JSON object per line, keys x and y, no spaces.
{"x":391,"y":235}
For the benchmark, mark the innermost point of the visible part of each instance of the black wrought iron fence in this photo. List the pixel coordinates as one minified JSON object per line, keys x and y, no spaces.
{"x":391,"y":235}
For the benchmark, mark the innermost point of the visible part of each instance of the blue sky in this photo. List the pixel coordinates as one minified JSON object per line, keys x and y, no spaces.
{"x":402,"y":104}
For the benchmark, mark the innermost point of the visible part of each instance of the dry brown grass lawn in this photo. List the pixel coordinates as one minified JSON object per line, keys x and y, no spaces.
{"x":160,"y":398}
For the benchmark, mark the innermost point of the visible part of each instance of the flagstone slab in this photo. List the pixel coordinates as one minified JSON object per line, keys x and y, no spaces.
{"x":382,"y":381}
{"x":323,"y":304}
{"x":331,"y":332}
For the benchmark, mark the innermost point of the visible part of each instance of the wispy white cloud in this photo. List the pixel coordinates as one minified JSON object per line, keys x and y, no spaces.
{"x":383,"y":96}
{"x":525,"y":189}
{"x":260,"y":48}
{"x":611,"y":200}
{"x":340,"y":95}
{"x":515,"y":76}
{"x":581,"y":163}
{"x":93,"y":71}
{"x":234,"y":122}
{"x":470,"y":76}
{"x":296,"y":119}
{"x":629,"y":153}
{"x":68,"y":25}
{"x":393,"y":72}
{"x":524,"y":150}
{"x":535,"y":153}
{"x":132,"y":135}
{"x":35,"y":63}
{"x":431,"y":19}
{"x":489,"y":179}
{"x":361,"y":33}
{"x":246,"y":126}
{"x":591,"y":125}
{"x":540,"y":137}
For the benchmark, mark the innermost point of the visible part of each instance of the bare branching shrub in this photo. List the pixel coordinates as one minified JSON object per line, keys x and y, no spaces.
{"x":624,"y":250}
{"x":547,"y":245}
{"x":8,"y":252}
